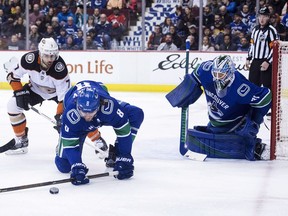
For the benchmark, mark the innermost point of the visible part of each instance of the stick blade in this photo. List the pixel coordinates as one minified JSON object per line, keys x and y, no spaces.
{"x":195,"y":156}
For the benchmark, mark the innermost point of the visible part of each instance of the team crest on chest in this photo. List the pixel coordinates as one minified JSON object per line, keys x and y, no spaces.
{"x":59,"y":67}
{"x":29,"y":58}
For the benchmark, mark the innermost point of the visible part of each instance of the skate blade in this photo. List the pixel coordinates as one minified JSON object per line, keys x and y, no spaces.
{"x":19,"y":151}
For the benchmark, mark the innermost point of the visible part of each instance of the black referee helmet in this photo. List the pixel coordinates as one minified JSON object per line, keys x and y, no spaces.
{"x":264,"y":11}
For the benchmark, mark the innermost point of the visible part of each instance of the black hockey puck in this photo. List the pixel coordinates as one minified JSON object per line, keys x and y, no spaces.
{"x":54,"y":190}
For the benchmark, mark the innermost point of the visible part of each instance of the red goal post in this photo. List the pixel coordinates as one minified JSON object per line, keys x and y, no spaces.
{"x":279,"y":110}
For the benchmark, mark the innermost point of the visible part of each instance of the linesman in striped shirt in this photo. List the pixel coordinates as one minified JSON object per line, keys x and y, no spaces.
{"x":260,"y":51}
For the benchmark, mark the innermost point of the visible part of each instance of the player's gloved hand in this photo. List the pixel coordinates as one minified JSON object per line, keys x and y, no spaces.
{"x":58,"y":118}
{"x":248,"y":129}
{"x":22,"y":98}
{"x":78,"y":174}
{"x":124,"y":166}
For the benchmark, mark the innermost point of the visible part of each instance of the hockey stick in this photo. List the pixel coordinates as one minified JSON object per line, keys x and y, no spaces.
{"x":102,"y":153}
{"x":41,"y":184}
{"x":184,"y":110}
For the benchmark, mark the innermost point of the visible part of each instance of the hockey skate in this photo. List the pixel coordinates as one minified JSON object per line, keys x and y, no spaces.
{"x":21,"y":145}
{"x":110,"y":160}
{"x":261,"y":151}
{"x":102,"y":145}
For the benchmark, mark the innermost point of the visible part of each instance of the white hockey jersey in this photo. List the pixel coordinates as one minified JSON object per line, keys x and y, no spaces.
{"x":48,"y":84}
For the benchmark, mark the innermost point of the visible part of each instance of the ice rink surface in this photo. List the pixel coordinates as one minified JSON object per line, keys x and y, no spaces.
{"x":164,"y":182}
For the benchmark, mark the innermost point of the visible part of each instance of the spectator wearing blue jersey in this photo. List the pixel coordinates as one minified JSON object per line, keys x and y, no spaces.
{"x":103,"y":30}
{"x":237,"y":25}
{"x":71,"y":27}
{"x":88,"y":106}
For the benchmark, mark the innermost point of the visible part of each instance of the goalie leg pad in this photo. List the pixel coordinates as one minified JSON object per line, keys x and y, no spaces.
{"x":186,"y":93}
{"x":230,"y":146}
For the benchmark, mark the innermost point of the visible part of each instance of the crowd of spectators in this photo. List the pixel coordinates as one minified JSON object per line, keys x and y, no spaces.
{"x":227,"y":25}
{"x":64,"y":21}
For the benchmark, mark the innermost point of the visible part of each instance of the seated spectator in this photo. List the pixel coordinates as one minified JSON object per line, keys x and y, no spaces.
{"x":49,"y":32}
{"x":168,"y":44}
{"x":69,"y":44}
{"x":237,"y":25}
{"x":64,"y":14}
{"x":79,"y":39}
{"x":90,"y":44}
{"x":244,"y":45}
{"x":96,"y":15}
{"x":41,"y":26}
{"x":15,"y":44}
{"x":165,"y":26}
{"x":118,"y":22}
{"x":34,"y":36}
{"x":206,"y":45}
{"x":19,"y":28}
{"x":208,"y":17}
{"x":7,"y":28}
{"x":214,"y":5}
{"x":3,"y":16}
{"x":178,"y":18}
{"x":79,"y":16}
{"x":231,"y":7}
{"x":103,"y":29}
{"x":61,"y":39}
{"x":89,"y":25}
{"x":192,"y":30}
{"x":193,"y":43}
{"x":3,"y":44}
{"x":175,"y":38}
{"x":44,"y":7}
{"x":225,"y":16}
{"x":114,"y":4}
{"x":55,"y":24}
{"x":245,"y":13}
{"x":35,"y":15}
{"x":155,"y":39}
{"x":228,"y":45}
{"x":49,"y":16}
{"x":189,"y":17}
{"x":70,"y":27}
{"x":275,"y":22}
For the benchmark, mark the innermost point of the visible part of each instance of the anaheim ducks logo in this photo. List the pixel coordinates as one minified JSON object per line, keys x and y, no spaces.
{"x":30,"y":57}
{"x":59,"y":67}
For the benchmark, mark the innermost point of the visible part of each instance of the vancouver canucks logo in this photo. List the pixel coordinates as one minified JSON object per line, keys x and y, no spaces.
{"x":214,"y":111}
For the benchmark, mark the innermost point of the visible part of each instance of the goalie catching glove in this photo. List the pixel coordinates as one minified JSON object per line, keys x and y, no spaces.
{"x":22,"y":98}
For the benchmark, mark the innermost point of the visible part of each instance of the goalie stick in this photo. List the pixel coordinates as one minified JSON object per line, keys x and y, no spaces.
{"x":184,"y":110}
{"x":184,"y":122}
{"x":41,"y":184}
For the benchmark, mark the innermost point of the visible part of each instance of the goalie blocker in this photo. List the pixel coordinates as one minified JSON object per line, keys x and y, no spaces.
{"x":229,"y":146}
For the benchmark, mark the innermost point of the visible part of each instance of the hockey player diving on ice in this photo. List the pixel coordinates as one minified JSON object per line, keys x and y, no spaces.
{"x":88,"y":106}
{"x":236,"y":108}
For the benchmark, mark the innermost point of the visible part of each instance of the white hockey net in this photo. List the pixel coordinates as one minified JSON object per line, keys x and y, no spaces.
{"x":279,"y":117}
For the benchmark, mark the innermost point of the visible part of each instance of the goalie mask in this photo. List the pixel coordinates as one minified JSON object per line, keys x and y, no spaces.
{"x":223,"y":73}
{"x":48,"y":52}
{"x":88,"y":103}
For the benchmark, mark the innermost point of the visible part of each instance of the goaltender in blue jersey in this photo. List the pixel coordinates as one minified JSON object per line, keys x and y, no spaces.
{"x":88,"y":106}
{"x":236,"y":108}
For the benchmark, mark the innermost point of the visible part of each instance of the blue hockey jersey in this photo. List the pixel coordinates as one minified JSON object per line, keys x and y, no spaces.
{"x":242,"y":97}
{"x":74,"y":128}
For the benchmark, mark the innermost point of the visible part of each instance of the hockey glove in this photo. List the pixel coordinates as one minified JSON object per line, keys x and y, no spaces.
{"x":58,"y":118}
{"x":22,"y":98}
{"x":124,"y":166}
{"x":248,"y":129}
{"x":78,"y":174}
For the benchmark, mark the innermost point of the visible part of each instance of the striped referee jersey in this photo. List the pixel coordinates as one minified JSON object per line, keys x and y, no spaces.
{"x":261,"y":43}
